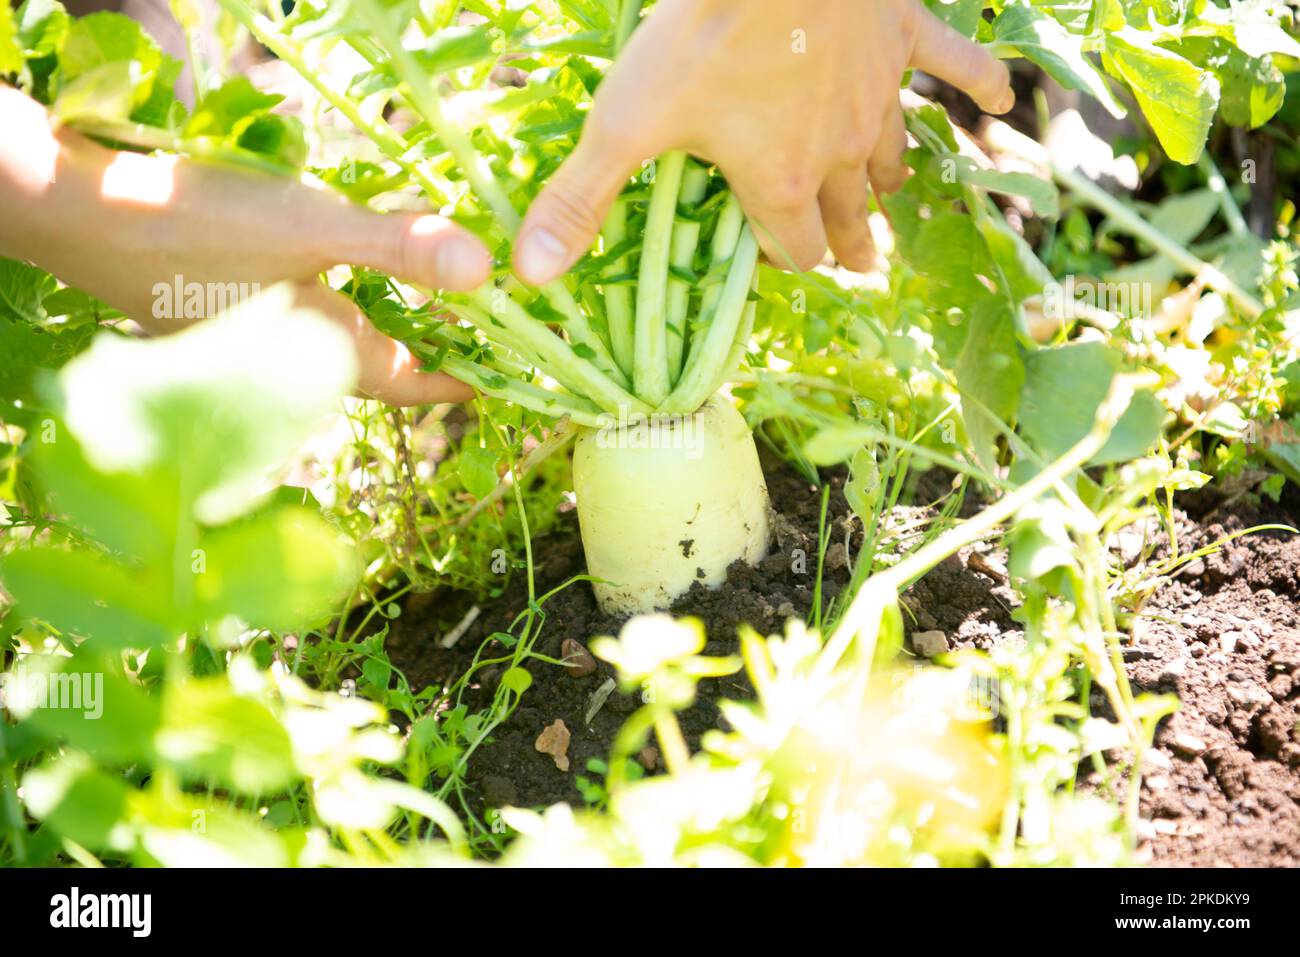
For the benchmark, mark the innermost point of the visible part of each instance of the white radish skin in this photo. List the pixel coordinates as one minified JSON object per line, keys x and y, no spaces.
{"x":668,"y":504}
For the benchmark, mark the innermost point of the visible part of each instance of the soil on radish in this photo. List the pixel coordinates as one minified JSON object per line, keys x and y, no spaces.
{"x":1223,"y":786}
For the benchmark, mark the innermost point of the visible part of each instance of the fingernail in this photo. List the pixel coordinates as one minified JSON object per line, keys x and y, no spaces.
{"x":1007,"y":102}
{"x":462,"y":263}
{"x":541,"y":257}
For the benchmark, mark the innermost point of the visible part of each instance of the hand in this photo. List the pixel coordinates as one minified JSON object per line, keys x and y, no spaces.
{"x":116,"y":224}
{"x":796,"y":101}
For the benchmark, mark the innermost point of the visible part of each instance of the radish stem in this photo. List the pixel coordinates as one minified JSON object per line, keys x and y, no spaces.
{"x":686,"y":237}
{"x":650,"y":359}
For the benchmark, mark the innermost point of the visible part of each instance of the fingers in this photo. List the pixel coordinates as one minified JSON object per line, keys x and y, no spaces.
{"x":943,"y":52}
{"x":788,"y":226}
{"x":886,"y":168}
{"x":843,"y":200}
{"x":428,"y":250}
{"x":386,"y":368}
{"x":566,"y":217}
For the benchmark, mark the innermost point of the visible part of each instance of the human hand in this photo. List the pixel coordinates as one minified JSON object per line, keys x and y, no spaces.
{"x":796,"y":101}
{"x":119,"y":224}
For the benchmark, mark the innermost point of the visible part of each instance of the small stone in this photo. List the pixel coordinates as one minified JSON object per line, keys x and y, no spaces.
{"x":929,"y":644}
{"x":577,"y":658}
{"x":1158,"y":759}
{"x":786,"y":610}
{"x":554,"y":741}
{"x":1189,"y":745}
{"x":648,"y":757}
{"x":1249,"y":695}
{"x":1157,"y":783}
{"x":1174,"y":670}
{"x":1228,"y":641}
{"x":1193,"y":569}
{"x":1165,"y":827}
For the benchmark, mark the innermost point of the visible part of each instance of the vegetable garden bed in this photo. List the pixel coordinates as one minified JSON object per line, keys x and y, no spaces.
{"x":1223,"y":782}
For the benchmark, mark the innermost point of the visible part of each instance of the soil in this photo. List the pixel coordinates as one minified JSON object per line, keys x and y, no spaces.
{"x":1222,"y":784}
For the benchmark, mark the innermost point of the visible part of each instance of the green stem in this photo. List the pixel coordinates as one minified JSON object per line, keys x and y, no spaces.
{"x":557,"y":356}
{"x":686,"y":237}
{"x":618,"y":299}
{"x":629,"y":15}
{"x":498,"y":385}
{"x":705,"y":367}
{"x":864,"y":613}
{"x":650,"y":348}
{"x":1134,"y":224}
{"x":726,"y":234}
{"x":418,"y":91}
{"x":1219,"y":186}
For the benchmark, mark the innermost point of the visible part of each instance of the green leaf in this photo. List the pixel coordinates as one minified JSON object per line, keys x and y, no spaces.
{"x":42,"y":25}
{"x":1063,"y":387}
{"x":989,"y":373}
{"x":1044,"y":41}
{"x":834,"y":444}
{"x":284,"y":570}
{"x":1042,"y":194}
{"x":964,"y":16}
{"x":212,"y":735}
{"x":228,"y":108}
{"x":11,"y":54}
{"x":478,"y":470}
{"x":107,"y":67}
{"x":1177,"y":97}
{"x":1252,"y":88}
{"x":517,"y":680}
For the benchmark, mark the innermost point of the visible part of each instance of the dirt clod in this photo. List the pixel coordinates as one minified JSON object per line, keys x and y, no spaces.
{"x":929,"y":644}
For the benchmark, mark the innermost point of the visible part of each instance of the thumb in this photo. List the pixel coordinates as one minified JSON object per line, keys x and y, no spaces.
{"x":428,"y":250}
{"x":566,"y":217}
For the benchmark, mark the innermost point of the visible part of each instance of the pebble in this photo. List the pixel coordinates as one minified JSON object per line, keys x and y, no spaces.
{"x":786,"y":610}
{"x":1228,"y":641}
{"x":1158,"y":759}
{"x":554,"y":741}
{"x":1249,"y":695}
{"x":577,"y":658}
{"x":1189,"y":745}
{"x":929,"y":644}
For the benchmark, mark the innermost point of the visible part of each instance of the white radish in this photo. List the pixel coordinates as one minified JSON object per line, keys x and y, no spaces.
{"x":668,"y":501}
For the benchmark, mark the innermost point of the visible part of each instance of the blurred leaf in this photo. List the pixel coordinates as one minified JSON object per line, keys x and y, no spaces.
{"x":72,"y":796}
{"x":114,"y":719}
{"x":86,"y":593}
{"x":210,"y":734}
{"x":283,"y":570}
{"x":220,"y":404}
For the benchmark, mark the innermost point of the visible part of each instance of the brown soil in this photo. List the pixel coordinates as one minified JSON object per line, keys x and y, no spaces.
{"x":1224,"y":636}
